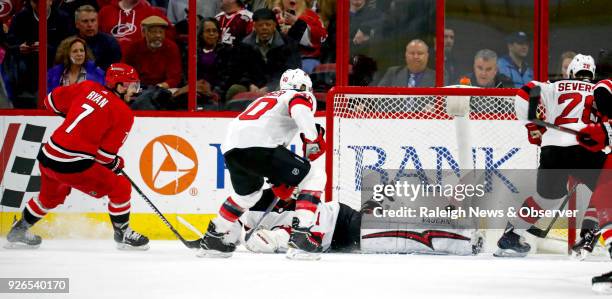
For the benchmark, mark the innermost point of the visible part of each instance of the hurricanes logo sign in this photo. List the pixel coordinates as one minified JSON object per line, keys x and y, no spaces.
{"x":168,"y":164}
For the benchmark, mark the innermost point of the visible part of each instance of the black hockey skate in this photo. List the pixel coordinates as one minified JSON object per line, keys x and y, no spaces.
{"x":583,"y":248}
{"x":511,"y":245}
{"x":302,"y":244}
{"x":21,"y":238}
{"x":602,"y":284}
{"x":128,"y":239}
{"x":213,"y":244}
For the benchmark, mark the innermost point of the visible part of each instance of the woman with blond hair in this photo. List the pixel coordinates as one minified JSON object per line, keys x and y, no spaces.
{"x":74,"y":64}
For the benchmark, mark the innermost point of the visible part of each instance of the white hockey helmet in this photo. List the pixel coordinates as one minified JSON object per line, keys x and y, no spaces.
{"x":581,"y":63}
{"x":295,"y":80}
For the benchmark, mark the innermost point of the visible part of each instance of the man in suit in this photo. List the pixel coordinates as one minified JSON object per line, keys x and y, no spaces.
{"x":415,"y":73}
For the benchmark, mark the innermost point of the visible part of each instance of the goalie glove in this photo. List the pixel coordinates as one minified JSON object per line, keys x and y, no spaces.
{"x":595,"y":137}
{"x":268,"y":241}
{"x":116,"y":165}
{"x":534,"y":133}
{"x":314,"y":149}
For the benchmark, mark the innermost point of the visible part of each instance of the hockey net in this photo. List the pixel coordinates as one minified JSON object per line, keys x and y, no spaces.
{"x":380,"y":127}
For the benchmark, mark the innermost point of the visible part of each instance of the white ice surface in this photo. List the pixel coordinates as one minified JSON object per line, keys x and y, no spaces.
{"x":168,"y":270}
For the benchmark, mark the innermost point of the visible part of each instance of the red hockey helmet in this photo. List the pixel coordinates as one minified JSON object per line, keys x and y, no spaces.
{"x":121,"y":73}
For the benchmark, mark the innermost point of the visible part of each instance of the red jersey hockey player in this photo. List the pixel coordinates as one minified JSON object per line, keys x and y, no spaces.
{"x":255,"y":148}
{"x":595,"y":137}
{"x":82,"y":154}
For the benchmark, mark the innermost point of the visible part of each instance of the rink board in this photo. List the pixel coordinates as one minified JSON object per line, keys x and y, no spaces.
{"x":157,"y":147}
{"x":177,"y":162}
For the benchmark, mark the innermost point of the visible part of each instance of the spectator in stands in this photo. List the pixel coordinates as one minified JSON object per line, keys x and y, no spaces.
{"x":485,"y":71}
{"x":263,"y":56}
{"x":327,"y":11}
{"x":103,"y":45}
{"x":213,"y":68}
{"x":23,"y":45}
{"x":404,"y":20}
{"x":156,"y":58}
{"x":236,"y":22}
{"x":122,"y":20}
{"x":177,"y":10}
{"x":364,"y":27}
{"x":415,"y":73}
{"x":8,"y":8}
{"x":566,"y":58}
{"x":450,"y":71}
{"x":514,"y":65}
{"x":304,"y":26}
{"x":74,"y":64}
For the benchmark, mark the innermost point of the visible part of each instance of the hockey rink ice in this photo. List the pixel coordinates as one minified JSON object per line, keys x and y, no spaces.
{"x":169,"y":270}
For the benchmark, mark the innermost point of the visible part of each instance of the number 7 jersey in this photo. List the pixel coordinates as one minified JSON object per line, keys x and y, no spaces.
{"x":268,"y":121}
{"x":96,"y":124}
{"x":567,"y":103}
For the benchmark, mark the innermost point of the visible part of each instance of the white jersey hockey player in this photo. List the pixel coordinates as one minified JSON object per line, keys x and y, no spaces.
{"x":255,"y":148}
{"x":567,"y":103}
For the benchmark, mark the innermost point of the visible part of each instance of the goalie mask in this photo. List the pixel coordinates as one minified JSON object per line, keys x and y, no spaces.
{"x":295,"y":80}
{"x":581,"y":63}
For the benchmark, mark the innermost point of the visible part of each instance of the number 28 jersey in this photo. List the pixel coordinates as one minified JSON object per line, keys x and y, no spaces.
{"x":96,"y":124}
{"x":567,"y":103}
{"x":268,"y":121}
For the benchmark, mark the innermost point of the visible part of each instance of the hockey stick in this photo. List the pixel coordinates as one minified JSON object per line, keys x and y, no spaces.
{"x":189,"y":225}
{"x":542,"y":233}
{"x":195,"y":244}
{"x":256,"y":227}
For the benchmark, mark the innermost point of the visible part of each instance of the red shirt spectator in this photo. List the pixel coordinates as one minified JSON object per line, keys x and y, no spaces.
{"x":236,"y":22}
{"x":122,"y":19}
{"x":310,"y":39}
{"x":8,"y":8}
{"x":156,"y":58}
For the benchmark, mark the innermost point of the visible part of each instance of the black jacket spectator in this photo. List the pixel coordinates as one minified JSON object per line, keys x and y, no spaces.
{"x":23,"y":65}
{"x":369,"y":21}
{"x":105,"y":48}
{"x":266,"y":70}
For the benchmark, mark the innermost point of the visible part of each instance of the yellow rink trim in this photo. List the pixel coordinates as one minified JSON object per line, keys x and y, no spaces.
{"x":97,"y":225}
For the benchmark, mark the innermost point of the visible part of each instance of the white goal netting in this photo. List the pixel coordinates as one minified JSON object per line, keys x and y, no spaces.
{"x":383,"y":129}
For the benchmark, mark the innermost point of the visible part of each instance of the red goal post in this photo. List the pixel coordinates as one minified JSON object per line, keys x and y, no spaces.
{"x":376,"y":126}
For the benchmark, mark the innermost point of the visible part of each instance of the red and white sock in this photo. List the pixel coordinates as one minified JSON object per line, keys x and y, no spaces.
{"x":306,"y":206}
{"x":229,"y":213}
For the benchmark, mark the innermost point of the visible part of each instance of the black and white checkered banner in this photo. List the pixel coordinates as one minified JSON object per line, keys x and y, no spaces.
{"x":19,"y":173}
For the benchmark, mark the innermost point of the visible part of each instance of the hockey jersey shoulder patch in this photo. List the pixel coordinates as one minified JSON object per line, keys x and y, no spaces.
{"x":301,"y":99}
